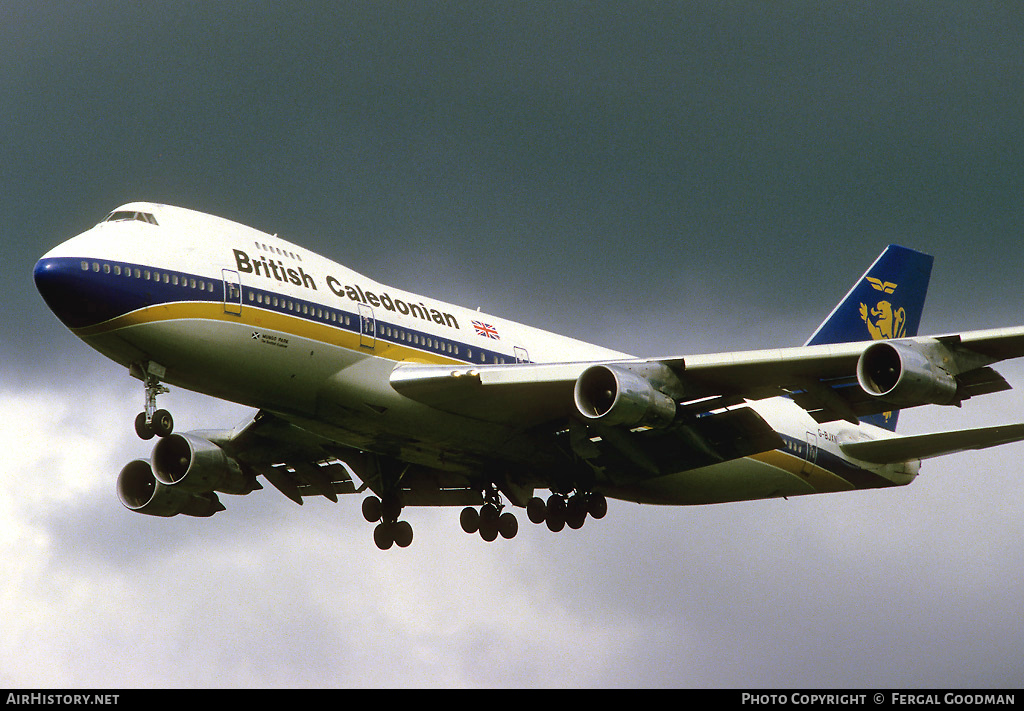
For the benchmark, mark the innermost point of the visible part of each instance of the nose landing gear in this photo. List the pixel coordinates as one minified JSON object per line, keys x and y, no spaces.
{"x":152,"y":421}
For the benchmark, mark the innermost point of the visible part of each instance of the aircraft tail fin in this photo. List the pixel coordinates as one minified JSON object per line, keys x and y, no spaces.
{"x":886,"y":302}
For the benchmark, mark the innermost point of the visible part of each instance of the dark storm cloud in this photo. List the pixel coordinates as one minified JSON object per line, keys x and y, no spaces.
{"x":655,"y":177}
{"x":614,"y":150}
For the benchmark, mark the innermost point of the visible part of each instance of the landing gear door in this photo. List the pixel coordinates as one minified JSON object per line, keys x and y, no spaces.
{"x":232,"y":292}
{"x":367,"y":327}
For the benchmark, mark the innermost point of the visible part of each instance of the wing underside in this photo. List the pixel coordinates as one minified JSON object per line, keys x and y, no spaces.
{"x":689,"y":443}
{"x":300,"y":463}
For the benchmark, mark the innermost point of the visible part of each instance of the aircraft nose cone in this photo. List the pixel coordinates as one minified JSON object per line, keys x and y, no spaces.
{"x":65,"y":286}
{"x":57,"y":289}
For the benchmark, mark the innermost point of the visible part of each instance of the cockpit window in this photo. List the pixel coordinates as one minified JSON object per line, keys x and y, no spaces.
{"x":128,"y":216}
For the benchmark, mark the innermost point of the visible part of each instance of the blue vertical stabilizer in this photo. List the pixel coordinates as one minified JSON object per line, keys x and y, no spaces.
{"x":886,"y":302}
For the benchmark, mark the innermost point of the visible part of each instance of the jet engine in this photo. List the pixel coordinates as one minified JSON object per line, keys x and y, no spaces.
{"x":194,"y":464}
{"x":140,"y":491}
{"x":906,"y":374}
{"x":618,"y":395}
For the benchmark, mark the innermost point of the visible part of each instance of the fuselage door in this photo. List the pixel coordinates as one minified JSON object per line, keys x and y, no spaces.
{"x":521,"y":355}
{"x":232,"y":292}
{"x":367,"y":327}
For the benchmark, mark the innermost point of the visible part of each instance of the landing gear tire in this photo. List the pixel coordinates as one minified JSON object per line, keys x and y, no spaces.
{"x":402,"y":534}
{"x":371,"y":509}
{"x":536,"y":510}
{"x":469,"y":519}
{"x":508,"y":526}
{"x":142,"y":428}
{"x":555,"y":518}
{"x":163,"y":423}
{"x":597,"y":505}
{"x":575,"y":512}
{"x":384,"y":536}
{"x":488,"y":530}
{"x":489,"y":516}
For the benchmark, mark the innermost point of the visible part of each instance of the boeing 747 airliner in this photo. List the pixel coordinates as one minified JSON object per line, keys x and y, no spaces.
{"x":365,"y":388}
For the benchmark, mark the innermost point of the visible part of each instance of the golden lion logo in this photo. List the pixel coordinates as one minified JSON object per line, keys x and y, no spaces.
{"x":883,"y":321}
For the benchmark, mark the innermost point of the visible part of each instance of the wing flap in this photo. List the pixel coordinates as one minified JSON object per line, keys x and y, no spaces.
{"x":910,"y":447}
{"x":280,"y":480}
{"x":687,"y":444}
{"x":296,"y":462}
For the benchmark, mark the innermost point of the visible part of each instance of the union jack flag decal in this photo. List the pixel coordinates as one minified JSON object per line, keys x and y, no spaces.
{"x":486,"y":330}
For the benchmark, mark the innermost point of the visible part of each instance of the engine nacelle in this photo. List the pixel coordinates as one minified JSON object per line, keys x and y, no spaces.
{"x":615,"y":395}
{"x":140,"y":491}
{"x":191,"y":463}
{"x":906,"y":374}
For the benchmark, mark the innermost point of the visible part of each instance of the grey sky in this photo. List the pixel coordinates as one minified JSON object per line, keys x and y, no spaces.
{"x":654,"y":177}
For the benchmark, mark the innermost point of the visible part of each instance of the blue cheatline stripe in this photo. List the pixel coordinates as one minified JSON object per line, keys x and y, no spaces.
{"x":119,"y":289}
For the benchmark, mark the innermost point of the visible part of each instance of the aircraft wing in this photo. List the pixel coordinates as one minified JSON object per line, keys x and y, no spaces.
{"x":527,"y":393}
{"x":821,"y":378}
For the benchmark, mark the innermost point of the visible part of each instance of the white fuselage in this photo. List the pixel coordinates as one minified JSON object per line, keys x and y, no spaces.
{"x":246,"y":316}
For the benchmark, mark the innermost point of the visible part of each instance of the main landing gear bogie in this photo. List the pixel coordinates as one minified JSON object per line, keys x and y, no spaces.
{"x":560,"y":511}
{"x":389,"y":531}
{"x":489,"y":522}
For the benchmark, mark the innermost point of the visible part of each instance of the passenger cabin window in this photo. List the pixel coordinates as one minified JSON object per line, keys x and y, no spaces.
{"x":130,"y":216}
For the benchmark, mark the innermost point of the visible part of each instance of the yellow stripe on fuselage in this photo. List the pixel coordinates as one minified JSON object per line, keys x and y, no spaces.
{"x":258,"y":318}
{"x":822,"y":480}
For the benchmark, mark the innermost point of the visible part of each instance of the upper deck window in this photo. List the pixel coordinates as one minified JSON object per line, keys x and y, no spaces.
{"x":129,"y":216}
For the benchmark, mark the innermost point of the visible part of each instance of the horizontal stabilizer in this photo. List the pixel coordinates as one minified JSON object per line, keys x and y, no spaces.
{"x":910,"y":447}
